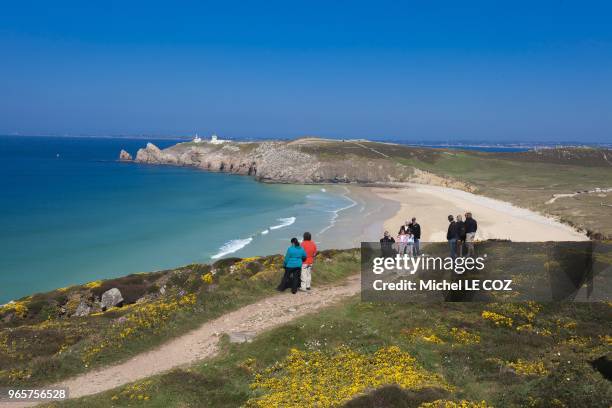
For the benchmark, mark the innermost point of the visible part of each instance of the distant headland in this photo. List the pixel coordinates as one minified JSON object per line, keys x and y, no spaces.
{"x":571,"y":184}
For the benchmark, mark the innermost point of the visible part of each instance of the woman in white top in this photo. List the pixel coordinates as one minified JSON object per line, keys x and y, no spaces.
{"x":402,"y":240}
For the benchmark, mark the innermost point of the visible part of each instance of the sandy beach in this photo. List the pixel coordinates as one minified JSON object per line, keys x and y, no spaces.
{"x":431,"y":205}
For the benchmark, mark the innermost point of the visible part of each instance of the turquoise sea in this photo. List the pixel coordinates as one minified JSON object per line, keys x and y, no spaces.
{"x":70,"y":213}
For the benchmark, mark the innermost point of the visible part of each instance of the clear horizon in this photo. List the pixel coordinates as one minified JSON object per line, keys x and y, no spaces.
{"x":403,"y":72}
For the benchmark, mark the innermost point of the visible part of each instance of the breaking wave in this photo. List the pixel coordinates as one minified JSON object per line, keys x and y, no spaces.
{"x":284,"y":222}
{"x":231,"y":247}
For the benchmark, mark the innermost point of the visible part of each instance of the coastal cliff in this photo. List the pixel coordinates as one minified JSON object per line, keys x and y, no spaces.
{"x":302,"y":161}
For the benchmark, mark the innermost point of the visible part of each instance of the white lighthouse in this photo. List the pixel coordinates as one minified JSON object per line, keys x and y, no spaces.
{"x":215,"y":140}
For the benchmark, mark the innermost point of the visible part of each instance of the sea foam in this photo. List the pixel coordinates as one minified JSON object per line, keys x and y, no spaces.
{"x":284,"y":222}
{"x":337,"y":211}
{"x":231,"y":247}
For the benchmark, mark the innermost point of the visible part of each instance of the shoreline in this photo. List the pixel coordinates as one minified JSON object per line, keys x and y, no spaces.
{"x":361,"y":222}
{"x":496,"y":219}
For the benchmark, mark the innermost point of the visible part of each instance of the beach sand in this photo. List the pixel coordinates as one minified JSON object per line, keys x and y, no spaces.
{"x":431,"y":205}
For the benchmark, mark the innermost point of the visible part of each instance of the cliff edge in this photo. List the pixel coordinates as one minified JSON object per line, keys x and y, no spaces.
{"x":301,"y":161}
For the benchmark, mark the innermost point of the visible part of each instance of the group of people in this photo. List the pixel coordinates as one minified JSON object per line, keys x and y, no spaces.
{"x":300,"y":257}
{"x":461,"y":233}
{"x":408,"y":239}
{"x":460,"y":236}
{"x":298,"y":262}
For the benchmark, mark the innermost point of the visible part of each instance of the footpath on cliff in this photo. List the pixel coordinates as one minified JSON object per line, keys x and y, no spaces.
{"x":240,"y":325}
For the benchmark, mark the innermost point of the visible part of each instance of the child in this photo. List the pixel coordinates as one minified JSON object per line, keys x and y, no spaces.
{"x":410,"y":244}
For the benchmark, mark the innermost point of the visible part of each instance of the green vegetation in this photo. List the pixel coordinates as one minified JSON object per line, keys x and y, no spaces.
{"x":365,"y":355}
{"x":527,"y":179}
{"x":445,"y":351}
{"x":531,"y":184}
{"x":42,"y":340}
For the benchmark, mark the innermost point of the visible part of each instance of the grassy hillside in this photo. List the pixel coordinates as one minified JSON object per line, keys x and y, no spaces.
{"x":364,"y":355}
{"x":531,"y":183}
{"x":42,"y":338}
{"x":527,"y":179}
{"x":451,"y":352}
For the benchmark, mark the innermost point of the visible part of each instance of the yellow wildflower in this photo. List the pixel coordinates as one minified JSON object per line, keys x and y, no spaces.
{"x":329,"y":379}
{"x":498,"y":319}
{"x":462,"y":336}
{"x":528,"y":368}
{"x":207,"y":278}
{"x":93,"y":284}
{"x":453,"y":404}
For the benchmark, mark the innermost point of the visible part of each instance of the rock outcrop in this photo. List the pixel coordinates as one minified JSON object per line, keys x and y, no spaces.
{"x":110,"y":298}
{"x":83,"y":309}
{"x":285,"y":162}
{"x":124,"y":156}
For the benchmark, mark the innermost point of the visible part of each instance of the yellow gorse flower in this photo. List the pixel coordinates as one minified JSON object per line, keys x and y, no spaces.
{"x":19,"y":307}
{"x":330,"y":379}
{"x":140,"y":319}
{"x":455,"y":404}
{"x":93,"y":284}
{"x":462,"y":336}
{"x":496,"y":318}
{"x":527,"y":368}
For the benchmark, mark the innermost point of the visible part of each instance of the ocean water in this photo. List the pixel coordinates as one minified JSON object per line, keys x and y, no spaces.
{"x":70,"y":213}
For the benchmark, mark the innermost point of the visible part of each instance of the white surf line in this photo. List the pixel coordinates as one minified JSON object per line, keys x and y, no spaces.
{"x":336,"y":212}
{"x":232,"y":246}
{"x":284,"y":222}
{"x":202,"y":342}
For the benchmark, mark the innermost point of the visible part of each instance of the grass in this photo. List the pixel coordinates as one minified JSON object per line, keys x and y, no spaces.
{"x":530,"y":184}
{"x":43,"y":344}
{"x":526,"y":179}
{"x":365,"y":354}
{"x":475,"y":371}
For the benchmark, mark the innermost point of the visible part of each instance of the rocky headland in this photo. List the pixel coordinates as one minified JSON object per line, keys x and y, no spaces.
{"x":544,"y":180}
{"x":302,"y":161}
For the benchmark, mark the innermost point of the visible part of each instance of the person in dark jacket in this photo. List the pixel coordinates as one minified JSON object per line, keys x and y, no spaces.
{"x":461,"y":232}
{"x":294,"y":258}
{"x":415,"y":228}
{"x":471,"y":226}
{"x":452,"y":235}
{"x":386,"y":245}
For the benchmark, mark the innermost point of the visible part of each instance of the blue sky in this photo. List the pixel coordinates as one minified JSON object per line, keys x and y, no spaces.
{"x":423,"y":70}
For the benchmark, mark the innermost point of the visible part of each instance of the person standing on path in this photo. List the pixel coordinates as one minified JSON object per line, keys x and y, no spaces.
{"x":461,"y":233}
{"x":386,"y":245}
{"x":471,"y":226}
{"x":293,"y":265}
{"x":410,"y":244}
{"x":311,"y":252}
{"x":415,"y":228}
{"x":452,"y":235}
{"x":402,"y":240}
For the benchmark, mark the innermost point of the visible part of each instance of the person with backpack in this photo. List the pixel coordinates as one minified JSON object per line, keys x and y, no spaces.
{"x":294,"y":257}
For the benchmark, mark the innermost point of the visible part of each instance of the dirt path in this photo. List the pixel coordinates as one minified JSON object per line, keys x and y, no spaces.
{"x":202,"y":342}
